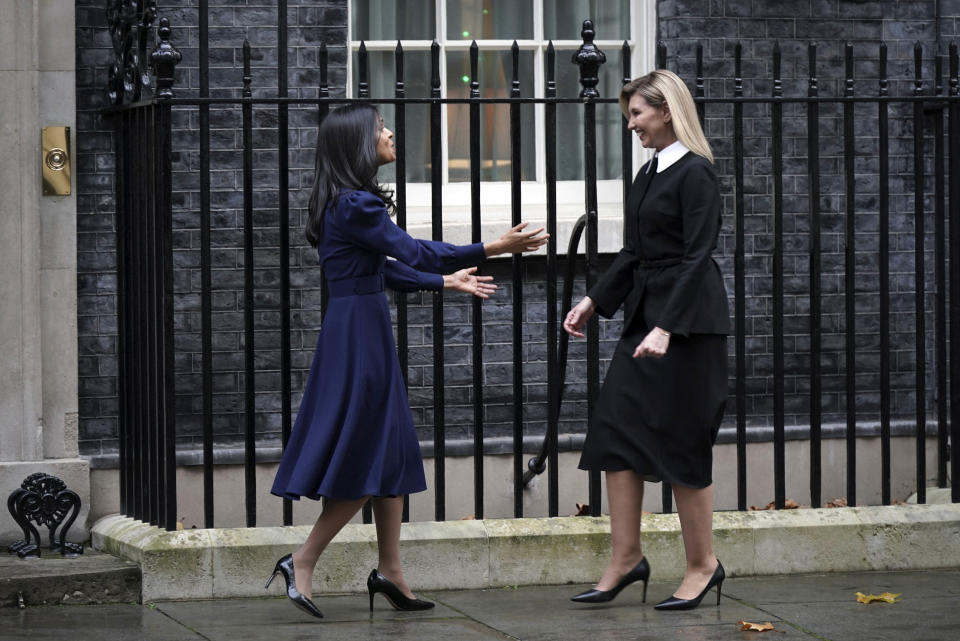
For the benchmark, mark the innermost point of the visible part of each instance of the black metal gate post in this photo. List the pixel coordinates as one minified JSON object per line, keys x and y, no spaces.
{"x":954,"y":142}
{"x":589,"y":58}
{"x":142,"y":136}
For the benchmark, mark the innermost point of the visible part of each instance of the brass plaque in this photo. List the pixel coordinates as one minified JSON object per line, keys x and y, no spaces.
{"x":55,"y":161}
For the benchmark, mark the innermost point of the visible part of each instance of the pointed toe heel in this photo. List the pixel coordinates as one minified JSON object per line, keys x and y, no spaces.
{"x":284,"y":567}
{"x":376,"y":582}
{"x":640,"y":572}
{"x":674,"y":603}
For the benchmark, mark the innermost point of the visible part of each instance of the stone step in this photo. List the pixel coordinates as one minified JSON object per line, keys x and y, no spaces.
{"x":91,"y":578}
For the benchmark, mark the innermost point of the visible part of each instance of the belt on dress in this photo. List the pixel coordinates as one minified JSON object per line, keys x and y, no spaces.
{"x":357,"y":285}
{"x":660,"y":262}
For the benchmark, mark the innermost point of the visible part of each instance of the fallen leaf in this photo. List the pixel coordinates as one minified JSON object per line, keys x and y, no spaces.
{"x":583,"y":509}
{"x":886,"y":597}
{"x":789,"y":504}
{"x":758,"y":627}
{"x":468,"y":518}
{"x":840,"y":502}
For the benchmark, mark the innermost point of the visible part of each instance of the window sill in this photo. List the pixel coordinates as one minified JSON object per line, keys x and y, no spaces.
{"x":496,"y":211}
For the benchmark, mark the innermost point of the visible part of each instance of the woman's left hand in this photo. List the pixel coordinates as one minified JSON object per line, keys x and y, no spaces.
{"x":654,"y":344}
{"x":468,"y":282}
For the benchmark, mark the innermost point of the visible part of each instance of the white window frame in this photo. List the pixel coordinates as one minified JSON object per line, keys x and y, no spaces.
{"x":495,"y":195}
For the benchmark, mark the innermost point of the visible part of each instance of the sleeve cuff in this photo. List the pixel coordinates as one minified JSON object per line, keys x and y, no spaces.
{"x":475,"y":254}
{"x":431,"y":281}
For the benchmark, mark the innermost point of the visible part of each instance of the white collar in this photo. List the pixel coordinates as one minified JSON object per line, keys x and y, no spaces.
{"x":670,"y":154}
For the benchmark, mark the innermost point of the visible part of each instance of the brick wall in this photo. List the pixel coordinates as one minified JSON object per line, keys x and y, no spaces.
{"x":310,"y":23}
{"x":682,"y":24}
{"x":718,"y":26}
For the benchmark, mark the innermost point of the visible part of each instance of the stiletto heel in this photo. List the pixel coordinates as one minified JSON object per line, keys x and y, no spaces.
{"x":285,"y":567}
{"x":674,"y":603}
{"x":376,"y":582}
{"x":640,"y":572}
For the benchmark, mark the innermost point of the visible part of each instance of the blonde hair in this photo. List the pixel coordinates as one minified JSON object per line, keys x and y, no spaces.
{"x":665,"y":87}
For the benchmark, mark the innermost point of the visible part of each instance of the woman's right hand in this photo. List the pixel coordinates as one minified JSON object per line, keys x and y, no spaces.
{"x":517,"y":241}
{"x":578,"y":317}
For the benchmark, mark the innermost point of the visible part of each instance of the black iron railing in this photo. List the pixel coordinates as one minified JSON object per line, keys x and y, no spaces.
{"x":146,"y":270}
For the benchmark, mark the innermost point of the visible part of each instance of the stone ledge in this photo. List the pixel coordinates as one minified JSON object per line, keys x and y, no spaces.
{"x":270,"y":451}
{"x":235,"y":562}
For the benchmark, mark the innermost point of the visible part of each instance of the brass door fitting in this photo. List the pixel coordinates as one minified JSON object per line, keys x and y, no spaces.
{"x":55,"y":161}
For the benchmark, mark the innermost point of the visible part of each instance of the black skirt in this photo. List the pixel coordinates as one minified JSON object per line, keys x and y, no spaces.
{"x":660,"y":417}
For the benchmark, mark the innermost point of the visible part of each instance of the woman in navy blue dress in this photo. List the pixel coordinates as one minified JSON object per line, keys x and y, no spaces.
{"x":354,"y":437}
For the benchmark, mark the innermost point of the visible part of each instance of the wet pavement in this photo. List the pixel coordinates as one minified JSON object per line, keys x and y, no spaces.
{"x":822,"y":607}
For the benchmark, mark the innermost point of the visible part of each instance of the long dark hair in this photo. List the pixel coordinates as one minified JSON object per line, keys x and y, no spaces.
{"x":346,"y":159}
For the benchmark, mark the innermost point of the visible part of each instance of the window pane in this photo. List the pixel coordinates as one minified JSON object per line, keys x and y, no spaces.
{"x":496,"y":75}
{"x":413,"y":136}
{"x":571,"y":123}
{"x":394,"y":20}
{"x":489,"y":19}
{"x":563,"y":19}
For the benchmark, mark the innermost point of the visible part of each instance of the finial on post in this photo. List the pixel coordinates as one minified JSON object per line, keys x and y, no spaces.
{"x":164,"y":59}
{"x":589,"y":58}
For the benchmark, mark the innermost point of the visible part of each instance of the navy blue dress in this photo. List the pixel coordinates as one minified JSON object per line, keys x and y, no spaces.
{"x":354,"y":434}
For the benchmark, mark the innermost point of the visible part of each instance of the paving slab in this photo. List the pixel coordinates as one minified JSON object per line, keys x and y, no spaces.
{"x":344,"y":617}
{"x":541,"y":613}
{"x":819,"y":607}
{"x":831,"y":587}
{"x":928,"y":619}
{"x":201,"y":615}
{"x":91,"y":622}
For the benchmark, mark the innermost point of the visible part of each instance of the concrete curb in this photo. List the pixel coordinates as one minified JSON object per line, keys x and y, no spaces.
{"x":222,"y":563}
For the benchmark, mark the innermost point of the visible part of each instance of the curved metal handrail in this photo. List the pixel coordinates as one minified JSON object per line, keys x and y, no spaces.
{"x":538,"y":464}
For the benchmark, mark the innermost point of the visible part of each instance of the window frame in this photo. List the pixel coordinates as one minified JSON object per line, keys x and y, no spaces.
{"x":496,"y":194}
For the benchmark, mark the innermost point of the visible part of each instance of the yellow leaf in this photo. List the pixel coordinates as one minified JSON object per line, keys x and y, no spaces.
{"x":886,"y":597}
{"x":757,"y":627}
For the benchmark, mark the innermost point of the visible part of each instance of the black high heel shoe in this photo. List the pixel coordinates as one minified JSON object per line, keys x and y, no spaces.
{"x":673,"y":603}
{"x":640,"y":572}
{"x":376,"y":582}
{"x":285,"y":567}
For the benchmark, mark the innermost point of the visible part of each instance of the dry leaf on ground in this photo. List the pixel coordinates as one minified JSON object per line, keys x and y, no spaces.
{"x":583,"y":509}
{"x":758,"y":627}
{"x":840,"y":502}
{"x":789,"y":504}
{"x":886,"y":597}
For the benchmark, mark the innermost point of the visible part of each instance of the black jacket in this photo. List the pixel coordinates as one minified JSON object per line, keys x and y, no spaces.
{"x":666,"y":271}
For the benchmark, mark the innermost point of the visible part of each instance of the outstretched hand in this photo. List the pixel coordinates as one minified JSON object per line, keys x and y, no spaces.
{"x":517,"y":241}
{"x":468,"y":282}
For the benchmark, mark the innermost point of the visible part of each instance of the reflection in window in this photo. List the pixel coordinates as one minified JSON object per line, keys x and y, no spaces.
{"x":496,"y":76}
{"x":394,"y":20}
{"x":416,"y":80}
{"x":382,"y":22}
{"x":562,"y":20}
{"x":570,"y":120}
{"x":489,"y":20}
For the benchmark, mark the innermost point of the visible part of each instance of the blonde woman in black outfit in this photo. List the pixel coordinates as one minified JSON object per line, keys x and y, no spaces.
{"x":662,"y":401}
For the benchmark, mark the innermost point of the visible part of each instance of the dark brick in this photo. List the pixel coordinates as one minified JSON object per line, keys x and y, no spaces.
{"x":684,"y":24}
